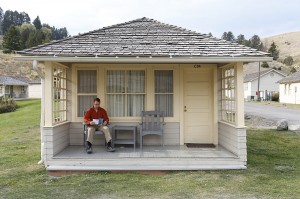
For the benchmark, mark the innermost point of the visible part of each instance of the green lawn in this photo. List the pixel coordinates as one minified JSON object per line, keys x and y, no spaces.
{"x":273,"y":169}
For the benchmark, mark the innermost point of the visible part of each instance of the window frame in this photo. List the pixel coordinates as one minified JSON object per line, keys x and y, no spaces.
{"x":59,"y":97}
{"x":228,"y":104}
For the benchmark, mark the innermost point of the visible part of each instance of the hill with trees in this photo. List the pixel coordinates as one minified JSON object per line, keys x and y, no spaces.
{"x":19,"y":33}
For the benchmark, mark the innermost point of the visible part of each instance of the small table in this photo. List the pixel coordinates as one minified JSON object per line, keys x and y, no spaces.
{"x":131,"y":129}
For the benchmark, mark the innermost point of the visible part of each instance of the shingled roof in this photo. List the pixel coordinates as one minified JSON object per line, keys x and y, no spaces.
{"x":7,"y":80}
{"x":293,"y":78}
{"x":143,"y":37}
{"x":252,"y":76}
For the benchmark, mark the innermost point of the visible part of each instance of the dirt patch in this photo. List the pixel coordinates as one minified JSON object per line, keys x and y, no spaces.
{"x":259,"y":122}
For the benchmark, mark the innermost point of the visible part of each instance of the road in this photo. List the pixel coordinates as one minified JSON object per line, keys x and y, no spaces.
{"x":272,"y":112}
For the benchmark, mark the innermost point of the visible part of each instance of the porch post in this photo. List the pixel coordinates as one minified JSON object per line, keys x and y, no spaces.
{"x":239,"y":95}
{"x":48,"y":95}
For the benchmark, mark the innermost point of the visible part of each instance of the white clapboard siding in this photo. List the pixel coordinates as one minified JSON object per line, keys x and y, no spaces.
{"x":171,"y":134}
{"x":233,"y":139}
{"x":55,"y":139}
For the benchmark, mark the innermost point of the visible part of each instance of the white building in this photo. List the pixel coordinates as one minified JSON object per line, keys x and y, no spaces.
{"x":290,"y":89}
{"x":267,"y":84}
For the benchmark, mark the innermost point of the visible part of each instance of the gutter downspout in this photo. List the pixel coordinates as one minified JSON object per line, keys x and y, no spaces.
{"x":36,"y":67}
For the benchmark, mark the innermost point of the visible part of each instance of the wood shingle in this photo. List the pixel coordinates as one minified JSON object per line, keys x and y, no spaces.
{"x":143,"y":37}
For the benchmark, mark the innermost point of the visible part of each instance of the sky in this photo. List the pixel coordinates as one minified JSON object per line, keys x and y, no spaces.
{"x":261,"y":17}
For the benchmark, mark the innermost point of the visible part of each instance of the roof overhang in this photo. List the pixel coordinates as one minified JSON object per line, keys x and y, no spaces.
{"x":145,"y":59}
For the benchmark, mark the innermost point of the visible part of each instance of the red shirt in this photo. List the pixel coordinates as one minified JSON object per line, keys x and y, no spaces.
{"x":92,"y":114}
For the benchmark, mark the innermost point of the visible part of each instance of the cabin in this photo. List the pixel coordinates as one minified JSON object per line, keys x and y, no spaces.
{"x":289,"y":89}
{"x":265,"y":81}
{"x":144,"y":65}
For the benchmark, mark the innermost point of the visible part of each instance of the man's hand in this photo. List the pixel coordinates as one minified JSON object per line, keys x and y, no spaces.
{"x":105,"y":123}
{"x":92,"y":123}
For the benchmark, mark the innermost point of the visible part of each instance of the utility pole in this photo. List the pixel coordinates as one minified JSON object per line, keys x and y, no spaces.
{"x":258,"y":93}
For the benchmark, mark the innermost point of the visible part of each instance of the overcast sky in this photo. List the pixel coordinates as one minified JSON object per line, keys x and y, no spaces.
{"x":261,"y":17}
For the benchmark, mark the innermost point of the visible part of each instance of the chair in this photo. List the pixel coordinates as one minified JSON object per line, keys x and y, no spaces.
{"x":153,"y":123}
{"x":85,"y":129}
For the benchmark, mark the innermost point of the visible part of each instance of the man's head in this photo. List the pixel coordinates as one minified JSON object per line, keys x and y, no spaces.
{"x":96,"y":102}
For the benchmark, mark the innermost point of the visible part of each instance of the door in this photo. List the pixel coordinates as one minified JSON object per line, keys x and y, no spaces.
{"x":198,"y":102}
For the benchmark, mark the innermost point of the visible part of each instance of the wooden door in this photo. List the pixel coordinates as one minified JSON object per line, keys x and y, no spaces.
{"x":198,"y":102}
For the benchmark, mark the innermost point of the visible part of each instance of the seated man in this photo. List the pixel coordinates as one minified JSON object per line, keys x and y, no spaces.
{"x":97,"y":112}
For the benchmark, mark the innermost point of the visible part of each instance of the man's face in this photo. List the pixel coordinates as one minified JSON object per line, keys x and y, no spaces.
{"x":96,"y":104}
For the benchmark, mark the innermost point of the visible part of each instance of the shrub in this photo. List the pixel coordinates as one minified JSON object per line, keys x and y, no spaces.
{"x":7,"y":105}
{"x":275,"y":97}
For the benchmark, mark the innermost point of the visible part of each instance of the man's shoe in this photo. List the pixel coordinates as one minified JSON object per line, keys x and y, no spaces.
{"x":89,"y":149}
{"x":110,"y":149}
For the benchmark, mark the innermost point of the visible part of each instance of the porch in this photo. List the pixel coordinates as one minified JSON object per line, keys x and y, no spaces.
{"x":178,"y":157}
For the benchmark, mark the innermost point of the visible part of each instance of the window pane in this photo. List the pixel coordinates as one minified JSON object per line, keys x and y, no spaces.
{"x":136,"y":82}
{"x":164,"y":102}
{"x":135,"y":105}
{"x":84,"y":102}
{"x":122,"y":88}
{"x":163,"y":81}
{"x":115,"y":82}
{"x":116,"y":105}
{"x":164,"y":91}
{"x":87,"y":81}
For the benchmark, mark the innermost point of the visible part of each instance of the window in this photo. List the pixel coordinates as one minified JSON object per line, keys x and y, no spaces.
{"x":86,"y":90}
{"x":59,"y":94}
{"x":164,"y":91}
{"x":125,"y":91}
{"x":228,"y":95}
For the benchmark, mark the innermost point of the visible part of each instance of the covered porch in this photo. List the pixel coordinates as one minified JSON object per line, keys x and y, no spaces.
{"x":178,"y":157}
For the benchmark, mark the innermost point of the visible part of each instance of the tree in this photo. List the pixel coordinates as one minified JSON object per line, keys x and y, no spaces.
{"x":265,"y":65}
{"x":37,"y":23}
{"x":256,"y":43}
{"x":240,"y":39}
{"x":25,"y":31}
{"x":274,"y":51}
{"x":288,"y":61}
{"x":228,"y":36}
{"x":11,"y":40}
{"x":14,"y":18}
{"x":293,"y":70}
{"x":1,"y":18}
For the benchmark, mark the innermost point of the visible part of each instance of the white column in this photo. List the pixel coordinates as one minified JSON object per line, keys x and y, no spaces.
{"x":239,"y":95}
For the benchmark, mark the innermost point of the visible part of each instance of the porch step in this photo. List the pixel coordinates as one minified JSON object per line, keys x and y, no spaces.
{"x":134,"y":164}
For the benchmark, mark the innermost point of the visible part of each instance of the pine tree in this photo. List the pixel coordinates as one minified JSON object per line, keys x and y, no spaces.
{"x":37,"y":23}
{"x":228,"y":36}
{"x":274,"y":51}
{"x":11,"y":40}
{"x":256,"y":43}
{"x":288,"y":61}
{"x":241,"y":39}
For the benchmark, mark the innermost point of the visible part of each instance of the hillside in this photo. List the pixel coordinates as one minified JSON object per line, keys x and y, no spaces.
{"x":10,"y":67}
{"x":288,"y":45}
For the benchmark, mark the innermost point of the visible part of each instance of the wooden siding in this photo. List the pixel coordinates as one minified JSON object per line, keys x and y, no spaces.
{"x":171,"y":136}
{"x":55,"y":139}
{"x":233,"y":139}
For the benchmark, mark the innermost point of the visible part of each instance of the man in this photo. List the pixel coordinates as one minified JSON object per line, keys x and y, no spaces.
{"x":96,"y":112}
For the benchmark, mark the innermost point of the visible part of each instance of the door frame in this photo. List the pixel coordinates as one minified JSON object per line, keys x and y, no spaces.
{"x":214,"y":96}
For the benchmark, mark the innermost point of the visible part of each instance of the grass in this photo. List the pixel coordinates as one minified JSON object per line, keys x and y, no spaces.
{"x":273,"y":169}
{"x":272,"y":103}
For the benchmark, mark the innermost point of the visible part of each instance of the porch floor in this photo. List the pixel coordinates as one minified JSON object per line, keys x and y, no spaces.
{"x":99,"y":152}
{"x":150,"y":158}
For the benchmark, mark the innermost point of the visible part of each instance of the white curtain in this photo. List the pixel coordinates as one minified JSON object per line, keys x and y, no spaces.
{"x":86,"y":89}
{"x":125,"y":93}
{"x":164,"y":91}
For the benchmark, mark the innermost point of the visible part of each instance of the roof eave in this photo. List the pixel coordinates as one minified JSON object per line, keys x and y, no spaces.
{"x":145,"y":59}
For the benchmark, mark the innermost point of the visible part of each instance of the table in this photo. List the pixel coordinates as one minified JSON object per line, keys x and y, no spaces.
{"x":131,"y":129}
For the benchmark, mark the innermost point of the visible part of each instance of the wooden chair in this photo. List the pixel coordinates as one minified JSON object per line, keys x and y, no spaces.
{"x":152,"y":123}
{"x":85,"y":130}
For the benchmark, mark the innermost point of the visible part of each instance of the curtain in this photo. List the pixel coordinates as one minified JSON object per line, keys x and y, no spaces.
{"x":86,"y":89}
{"x":125,"y":92}
{"x":164,"y":91}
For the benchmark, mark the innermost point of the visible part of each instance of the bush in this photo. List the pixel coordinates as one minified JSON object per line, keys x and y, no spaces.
{"x":7,"y":105}
{"x":275,"y":97}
